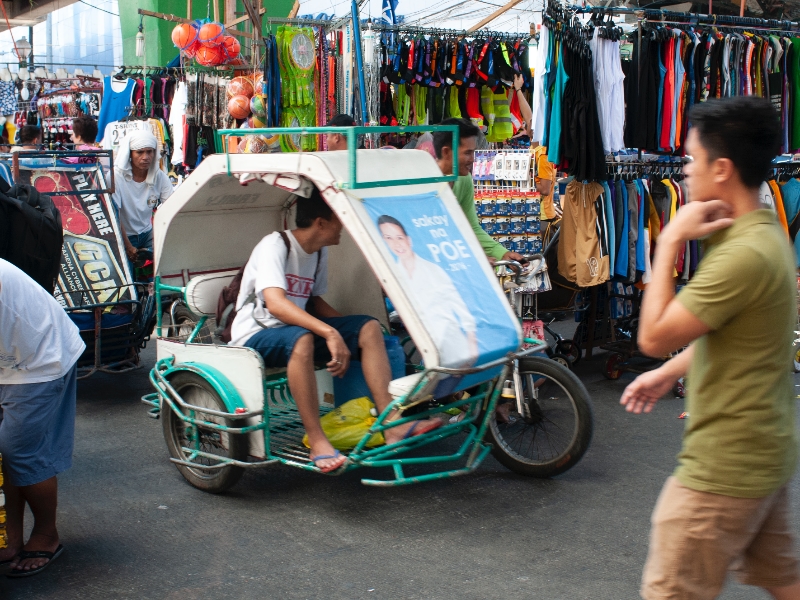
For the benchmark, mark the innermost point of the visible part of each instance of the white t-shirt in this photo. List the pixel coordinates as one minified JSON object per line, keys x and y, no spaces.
{"x":299,"y":276}
{"x":442,"y":310}
{"x":177,"y":114}
{"x":137,"y":200}
{"x":38,"y":341}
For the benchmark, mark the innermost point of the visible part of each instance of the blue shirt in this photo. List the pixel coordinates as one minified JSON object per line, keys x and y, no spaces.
{"x":114,"y":106}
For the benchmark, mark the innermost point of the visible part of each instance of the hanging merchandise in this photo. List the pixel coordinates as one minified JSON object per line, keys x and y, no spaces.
{"x":184,"y":35}
{"x":296,"y":51}
{"x":211,"y":33}
{"x":239,"y":107}
{"x":240,"y":86}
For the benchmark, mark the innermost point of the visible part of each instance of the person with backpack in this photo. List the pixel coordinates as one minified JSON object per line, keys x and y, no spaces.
{"x":282,"y":316}
{"x":39,"y":350}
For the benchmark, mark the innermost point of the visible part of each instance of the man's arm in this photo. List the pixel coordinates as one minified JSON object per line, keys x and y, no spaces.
{"x":665,"y":325}
{"x":323,"y":309}
{"x":288,"y":312}
{"x":466,"y":200}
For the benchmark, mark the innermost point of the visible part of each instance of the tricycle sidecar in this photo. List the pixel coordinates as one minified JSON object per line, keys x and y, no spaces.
{"x":223,"y":411}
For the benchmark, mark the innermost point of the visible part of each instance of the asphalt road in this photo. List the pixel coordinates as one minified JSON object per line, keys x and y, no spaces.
{"x":134,"y":529}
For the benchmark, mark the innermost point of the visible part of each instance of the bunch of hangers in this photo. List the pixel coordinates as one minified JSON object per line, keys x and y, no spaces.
{"x":437,"y":58}
{"x":630,"y":170}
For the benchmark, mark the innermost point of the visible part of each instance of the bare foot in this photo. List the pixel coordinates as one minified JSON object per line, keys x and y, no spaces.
{"x":9,"y":553}
{"x":395,"y":434}
{"x":37,"y":542}
{"x":332,"y":461}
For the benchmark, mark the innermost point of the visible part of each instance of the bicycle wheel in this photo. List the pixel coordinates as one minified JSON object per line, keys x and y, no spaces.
{"x":569,"y":349}
{"x":178,"y":434}
{"x":185,"y":322}
{"x":556,"y":430}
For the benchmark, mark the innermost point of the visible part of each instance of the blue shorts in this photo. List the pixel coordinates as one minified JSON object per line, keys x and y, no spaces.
{"x":275,"y":344}
{"x":37,"y":428}
{"x":142,"y":241}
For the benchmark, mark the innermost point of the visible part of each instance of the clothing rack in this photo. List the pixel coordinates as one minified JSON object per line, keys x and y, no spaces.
{"x":332,"y":23}
{"x":657,"y":15}
{"x":417,"y":30}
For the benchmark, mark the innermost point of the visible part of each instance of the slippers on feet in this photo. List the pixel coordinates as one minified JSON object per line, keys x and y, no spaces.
{"x":335,"y":466}
{"x":420,"y":427}
{"x":50,"y":556}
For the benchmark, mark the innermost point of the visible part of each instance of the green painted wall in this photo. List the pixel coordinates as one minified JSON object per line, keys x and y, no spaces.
{"x":158,"y":44}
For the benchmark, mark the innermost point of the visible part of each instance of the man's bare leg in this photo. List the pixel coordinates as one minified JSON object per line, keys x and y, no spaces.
{"x":303,"y":386}
{"x":378,"y":374}
{"x":43,"y":499}
{"x":790,"y":592}
{"x":15,"y":515}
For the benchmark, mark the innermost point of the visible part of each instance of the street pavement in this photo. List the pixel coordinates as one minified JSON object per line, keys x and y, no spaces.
{"x":133,"y":529}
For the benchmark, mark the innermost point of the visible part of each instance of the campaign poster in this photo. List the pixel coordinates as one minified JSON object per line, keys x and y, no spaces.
{"x":94,"y":266}
{"x":455,"y":298}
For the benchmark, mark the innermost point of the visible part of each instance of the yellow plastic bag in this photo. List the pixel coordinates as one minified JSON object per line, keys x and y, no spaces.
{"x":347,"y":424}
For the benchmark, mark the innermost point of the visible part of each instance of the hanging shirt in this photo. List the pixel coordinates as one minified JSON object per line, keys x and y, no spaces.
{"x":611,"y":226}
{"x":539,"y":77}
{"x":621,"y":266}
{"x":177,"y":118}
{"x":554,"y":152}
{"x":117,"y":97}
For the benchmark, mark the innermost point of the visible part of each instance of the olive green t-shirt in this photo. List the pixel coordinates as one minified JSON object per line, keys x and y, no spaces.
{"x":740,"y":434}
{"x":464,"y":190}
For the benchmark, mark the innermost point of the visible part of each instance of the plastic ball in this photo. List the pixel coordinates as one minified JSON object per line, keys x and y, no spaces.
{"x":256,"y":123}
{"x":240,"y":86}
{"x":258,"y":105}
{"x":258,"y":83}
{"x":253,"y":144}
{"x":211,"y":34}
{"x":232,"y":46}
{"x":208,"y":56}
{"x":184,"y":35}
{"x":239,"y":107}
{"x":191,"y":50}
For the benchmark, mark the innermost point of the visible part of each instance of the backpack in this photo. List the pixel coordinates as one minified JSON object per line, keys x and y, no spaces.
{"x":226,"y":303}
{"x":31,"y":235}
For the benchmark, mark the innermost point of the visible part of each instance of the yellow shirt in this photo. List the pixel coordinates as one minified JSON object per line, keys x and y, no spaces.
{"x":546,"y":171}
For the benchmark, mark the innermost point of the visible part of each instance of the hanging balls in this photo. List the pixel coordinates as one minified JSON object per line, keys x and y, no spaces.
{"x":232,"y":46}
{"x":208,"y":56}
{"x":258,"y":105}
{"x":211,"y":34}
{"x":258,"y":83}
{"x":240,"y":86}
{"x":184,"y":35}
{"x":239,"y":107}
{"x":191,"y":50}
{"x":256,"y":123}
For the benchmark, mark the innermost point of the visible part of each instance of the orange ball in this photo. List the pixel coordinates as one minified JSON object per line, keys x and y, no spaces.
{"x":211,"y":34}
{"x":239,"y":107}
{"x":231,"y":46}
{"x":240,"y":86}
{"x":191,"y":50}
{"x":258,"y":80}
{"x":184,"y":35}
{"x":209,"y":56}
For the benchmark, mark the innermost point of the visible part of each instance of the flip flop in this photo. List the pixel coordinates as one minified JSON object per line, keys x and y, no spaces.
{"x":430,"y":426}
{"x":51,"y":556}
{"x":336,"y":454}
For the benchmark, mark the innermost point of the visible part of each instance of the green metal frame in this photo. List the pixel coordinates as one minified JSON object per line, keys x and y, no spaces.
{"x":352,"y":134}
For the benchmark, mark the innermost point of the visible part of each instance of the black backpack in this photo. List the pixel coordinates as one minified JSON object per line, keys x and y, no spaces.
{"x":31,"y":235}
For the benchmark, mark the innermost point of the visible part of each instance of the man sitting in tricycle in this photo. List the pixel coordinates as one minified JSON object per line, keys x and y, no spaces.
{"x":282,"y":316}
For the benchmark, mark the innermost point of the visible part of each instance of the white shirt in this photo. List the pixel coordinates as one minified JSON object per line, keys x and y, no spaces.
{"x":441,"y":309}
{"x":38,"y":341}
{"x":177,"y":114}
{"x":298,"y":275}
{"x":137,"y":200}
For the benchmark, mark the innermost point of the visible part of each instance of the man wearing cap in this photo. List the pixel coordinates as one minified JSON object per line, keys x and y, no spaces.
{"x":140,"y":187}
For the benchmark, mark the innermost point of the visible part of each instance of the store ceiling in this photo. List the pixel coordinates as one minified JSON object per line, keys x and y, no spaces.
{"x":27,"y":13}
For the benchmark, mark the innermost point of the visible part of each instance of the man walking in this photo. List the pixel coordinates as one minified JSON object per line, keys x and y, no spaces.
{"x":726,"y":506}
{"x":39,"y":349}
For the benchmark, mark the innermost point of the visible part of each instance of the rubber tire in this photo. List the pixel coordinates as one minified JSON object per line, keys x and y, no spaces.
{"x":218,"y":480}
{"x":585,"y":423}
{"x":563,"y":360}
{"x":611,"y":368}
{"x":571,"y":350}
{"x":183,"y":317}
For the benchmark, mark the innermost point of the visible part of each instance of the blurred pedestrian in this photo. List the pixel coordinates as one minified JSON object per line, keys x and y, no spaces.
{"x":39,"y":350}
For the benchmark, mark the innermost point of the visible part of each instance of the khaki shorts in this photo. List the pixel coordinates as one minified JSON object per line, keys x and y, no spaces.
{"x":696,"y":537}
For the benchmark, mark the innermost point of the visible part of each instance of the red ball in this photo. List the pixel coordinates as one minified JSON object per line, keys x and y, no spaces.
{"x":231,"y":46}
{"x":239,"y":107}
{"x":184,"y":35}
{"x":191,"y":50}
{"x":210,"y":56}
{"x":211,"y":34}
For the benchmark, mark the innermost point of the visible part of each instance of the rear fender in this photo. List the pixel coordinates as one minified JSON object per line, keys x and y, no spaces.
{"x":221,"y":384}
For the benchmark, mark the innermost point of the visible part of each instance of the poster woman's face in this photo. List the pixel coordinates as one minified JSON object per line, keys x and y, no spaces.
{"x":397,"y":240}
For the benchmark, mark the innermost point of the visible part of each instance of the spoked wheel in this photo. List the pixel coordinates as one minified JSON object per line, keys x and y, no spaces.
{"x":185,"y":322}
{"x":178,"y":434}
{"x":613,"y":367}
{"x":563,"y":360}
{"x":569,"y":349}
{"x":556,"y":429}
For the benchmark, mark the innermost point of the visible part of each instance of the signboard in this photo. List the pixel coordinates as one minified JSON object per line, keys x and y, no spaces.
{"x":455,"y":298}
{"x":93,"y":261}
